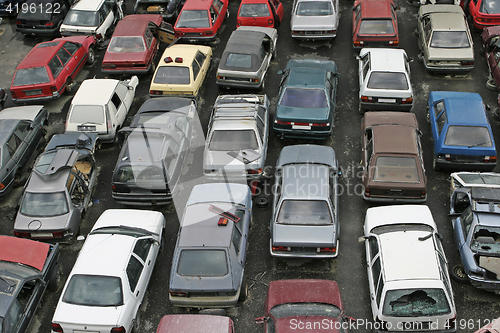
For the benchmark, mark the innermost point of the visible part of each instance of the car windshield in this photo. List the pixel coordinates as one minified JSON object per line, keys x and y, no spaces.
{"x":304,"y":98}
{"x":225,"y":140}
{"x":126,"y":44}
{"x":239,"y":60}
{"x":83,"y":18}
{"x":486,"y":239}
{"x":490,"y":7}
{"x":28,"y":76}
{"x":450,"y":39}
{"x":376,"y":27}
{"x":193,"y":19}
{"x":44,"y":204}
{"x":396,"y":169}
{"x":37,"y":10}
{"x":172,"y":75}
{"x":94,"y":290}
{"x":470,"y":136}
{"x":305,"y":309}
{"x":139,"y":173}
{"x":254,"y":10}
{"x":479,"y":178}
{"x":415,"y":303}
{"x":87,"y":114}
{"x":304,"y":212}
{"x":202,"y":263}
{"x":387,"y":80}
{"x":314,"y":8}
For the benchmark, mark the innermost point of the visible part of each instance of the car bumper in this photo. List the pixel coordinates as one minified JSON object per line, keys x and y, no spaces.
{"x":39,"y":32}
{"x":394,"y":199}
{"x":198,"y":39}
{"x":127,"y":71}
{"x":465,"y":166}
{"x":205,"y":302}
{"x":305,"y":134}
{"x":448,"y":69}
{"x":386,"y":106}
{"x":40,"y":99}
{"x":313,"y":37}
{"x":317,"y":255}
{"x":239,"y":84}
{"x":488,"y":285}
{"x":142,"y":199}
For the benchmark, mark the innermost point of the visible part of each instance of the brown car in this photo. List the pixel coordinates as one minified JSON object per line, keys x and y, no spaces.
{"x":392,"y":158}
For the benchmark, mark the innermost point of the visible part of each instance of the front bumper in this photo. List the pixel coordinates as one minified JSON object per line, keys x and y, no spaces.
{"x":302,"y":134}
{"x":488,"y":285}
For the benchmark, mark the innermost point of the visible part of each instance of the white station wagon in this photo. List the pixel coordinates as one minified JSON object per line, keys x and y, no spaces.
{"x":108,"y":282}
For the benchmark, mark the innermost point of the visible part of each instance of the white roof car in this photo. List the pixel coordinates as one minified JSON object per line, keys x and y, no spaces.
{"x":384,"y":80}
{"x":408,"y":276}
{"x":108,"y":282}
{"x":101,"y":106}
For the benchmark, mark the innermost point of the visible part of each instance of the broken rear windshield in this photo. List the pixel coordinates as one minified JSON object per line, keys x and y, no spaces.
{"x":415,"y":303}
{"x":486,"y":239}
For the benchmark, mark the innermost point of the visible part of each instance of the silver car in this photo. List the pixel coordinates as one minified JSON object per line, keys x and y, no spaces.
{"x":246,"y":57}
{"x":315,"y":19}
{"x":305,"y":207}
{"x":237,"y":138}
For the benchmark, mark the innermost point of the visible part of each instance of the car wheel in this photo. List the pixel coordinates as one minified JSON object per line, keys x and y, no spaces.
{"x":262,"y":201}
{"x":136,"y":323}
{"x":227,"y":15}
{"x":360,"y":108}
{"x":490,"y":84}
{"x":263,"y":85}
{"x":91,"y":56}
{"x":435,"y":165}
{"x":428,"y":116}
{"x":244,"y":290}
{"x":20,"y":178}
{"x":55,"y":278}
{"x":458,"y":274}
{"x":68,"y":86}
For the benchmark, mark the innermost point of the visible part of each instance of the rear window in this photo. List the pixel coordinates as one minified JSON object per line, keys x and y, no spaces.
{"x":83,"y":18}
{"x":239,"y":60}
{"x":139,"y":173}
{"x":449,"y":39}
{"x":44,"y":204}
{"x":202,"y":263}
{"x":314,"y":8}
{"x":376,"y":27}
{"x":193,"y":19}
{"x":470,"y":136}
{"x":396,"y":169}
{"x":490,"y":7}
{"x":387,"y":80}
{"x":27,"y":76}
{"x":87,"y":114}
{"x":127,"y":44}
{"x":304,"y":212}
{"x":304,"y":98}
{"x":254,"y":10}
{"x":416,"y":303}
{"x":172,"y":75}
{"x":94,"y":290}
{"x":233,"y":140}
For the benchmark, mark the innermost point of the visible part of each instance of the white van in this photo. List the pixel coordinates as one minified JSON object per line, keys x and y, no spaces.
{"x":92,"y":17}
{"x":101,"y":106}
{"x":410,"y":287}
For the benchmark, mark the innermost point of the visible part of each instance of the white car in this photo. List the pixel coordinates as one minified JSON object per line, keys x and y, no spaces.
{"x":108,"y":282}
{"x":315,"y":19}
{"x":410,"y":288}
{"x":101,"y":106}
{"x":384,"y":80}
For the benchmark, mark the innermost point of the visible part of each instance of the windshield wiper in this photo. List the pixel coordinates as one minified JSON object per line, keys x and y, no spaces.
{"x":479,"y":144}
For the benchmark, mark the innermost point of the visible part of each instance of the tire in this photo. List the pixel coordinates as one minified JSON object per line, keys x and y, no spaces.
{"x":435,"y":166}
{"x":360,"y":109}
{"x":19,"y":178}
{"x":91,"y":56}
{"x":491,"y":85}
{"x":262,"y":201}
{"x":136,"y":323}
{"x":244,"y":290}
{"x":55,"y":278}
{"x":428,"y":116}
{"x":458,"y":274}
{"x":67,"y":87}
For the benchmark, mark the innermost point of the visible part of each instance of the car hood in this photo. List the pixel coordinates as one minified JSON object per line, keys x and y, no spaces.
{"x":125,"y":57}
{"x":314,"y":22}
{"x":451,"y":54}
{"x":77,"y":315}
{"x":202,"y":284}
{"x":302,"y":114}
{"x":221,"y":159}
{"x":302,"y":323}
{"x":31,"y":223}
{"x":304,"y":235}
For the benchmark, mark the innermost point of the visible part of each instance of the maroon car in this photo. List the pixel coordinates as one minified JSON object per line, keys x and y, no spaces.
{"x":50,"y":67}
{"x":374,"y":23}
{"x":199,"y":323}
{"x":134,"y":44}
{"x":304,"y":306}
{"x":491,"y":42}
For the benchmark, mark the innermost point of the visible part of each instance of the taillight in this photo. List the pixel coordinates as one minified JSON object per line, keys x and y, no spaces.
{"x":255,"y":172}
{"x":358,"y":43}
{"x":327,"y":249}
{"x":490,"y":158}
{"x":155,"y":92}
{"x":407,"y":100}
{"x":178,"y":293}
{"x":57,"y":328}
{"x":2,"y":186}
{"x":366,"y":99}
{"x":254,"y":80}
{"x":367,"y":192}
{"x":238,"y":23}
{"x":207,"y":32}
{"x":270,"y":22}
{"x":394,"y":42}
{"x":447,"y":157}
{"x":120,"y":329}
{"x":467,"y":62}
{"x":279,"y":122}
{"x":49,"y":24}
{"x":220,"y":77}
{"x":23,"y":235}
{"x":58,"y":234}
{"x":320,"y":124}
{"x":13,"y":94}
{"x":281,"y":248}
{"x":53,"y":89}
{"x":18,"y":22}
{"x":423,"y":194}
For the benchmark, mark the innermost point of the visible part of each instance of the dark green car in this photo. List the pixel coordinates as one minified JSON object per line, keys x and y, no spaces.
{"x":306,"y":102}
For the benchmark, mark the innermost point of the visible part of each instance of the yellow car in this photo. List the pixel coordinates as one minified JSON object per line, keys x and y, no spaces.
{"x":181,"y":70}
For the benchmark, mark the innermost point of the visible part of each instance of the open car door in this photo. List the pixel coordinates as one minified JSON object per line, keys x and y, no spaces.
{"x":165,"y":33}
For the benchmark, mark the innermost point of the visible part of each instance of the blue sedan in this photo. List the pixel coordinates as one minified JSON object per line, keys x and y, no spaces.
{"x":306,"y":102}
{"x":461,"y":131}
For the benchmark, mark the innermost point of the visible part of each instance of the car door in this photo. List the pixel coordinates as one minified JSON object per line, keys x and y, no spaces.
{"x":199,"y":67}
{"x":493,"y":58}
{"x":126,"y":97}
{"x":367,"y":152}
{"x":363,"y":70}
{"x":77,"y":53}
{"x":17,"y":152}
{"x":106,"y":19}
{"x":217,"y":13}
{"x":438,"y":120}
{"x":60,"y":76}
{"x":375,"y":278}
{"x":165,"y":33}
{"x":28,"y":300}
{"x":277,"y":11}
{"x":425,"y":29}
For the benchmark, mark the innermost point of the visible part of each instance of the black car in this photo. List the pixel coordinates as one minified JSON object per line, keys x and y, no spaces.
{"x":42,"y":17}
{"x":27,"y":269}
{"x":169,"y":9}
{"x":22,"y":132}
{"x":150,"y":161}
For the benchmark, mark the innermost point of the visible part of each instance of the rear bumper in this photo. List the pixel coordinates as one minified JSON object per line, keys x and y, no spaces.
{"x":386,"y":106}
{"x":38,"y":32}
{"x":205,"y":302}
{"x":317,"y":255}
{"x":394,"y":199}
{"x":466,"y":166}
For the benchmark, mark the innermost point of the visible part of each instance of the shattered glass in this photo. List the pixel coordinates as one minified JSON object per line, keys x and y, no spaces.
{"x":486,"y":239}
{"x":415,"y":303}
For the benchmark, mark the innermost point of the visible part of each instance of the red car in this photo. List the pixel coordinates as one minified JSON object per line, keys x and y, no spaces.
{"x":305,"y":306}
{"x":200,"y":20}
{"x":134,"y":44}
{"x":45,"y":73}
{"x":199,"y":323}
{"x":374,"y":23}
{"x":484,"y":13}
{"x":491,"y":42}
{"x":261,"y":13}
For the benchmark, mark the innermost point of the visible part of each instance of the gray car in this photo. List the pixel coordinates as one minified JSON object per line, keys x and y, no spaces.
{"x":315,"y":19}
{"x":305,"y":221}
{"x":21,"y":134}
{"x":246,"y":57}
{"x":208,"y":267}
{"x":237,"y":138}
{"x":59,"y":189}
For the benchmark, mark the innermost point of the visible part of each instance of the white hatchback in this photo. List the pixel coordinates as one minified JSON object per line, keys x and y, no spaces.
{"x":108,"y":282}
{"x":384,"y":80}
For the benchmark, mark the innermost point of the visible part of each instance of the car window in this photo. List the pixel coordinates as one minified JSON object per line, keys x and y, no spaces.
{"x":142,"y":247}
{"x":387,"y":80}
{"x":376,"y":270}
{"x":14,"y":315}
{"x":87,"y":113}
{"x":126,"y":44}
{"x":134,"y":271}
{"x":396,"y":169}
{"x":44,"y":204}
{"x":196,"y":69}
{"x":148,"y":37}
{"x":172,"y":75}
{"x":103,"y":13}
{"x":213,"y":15}
{"x":71,"y":47}
{"x":412,"y":302}
{"x":202,"y":263}
{"x":193,"y":19}
{"x":358,"y":14}
{"x":254,"y":10}
{"x":467,"y":218}
{"x":233,"y":140}
{"x":376,"y":27}
{"x":260,"y":127}
{"x":470,"y":136}
{"x":55,"y":66}
{"x":441,"y":121}
{"x":122,"y":90}
{"x":28,"y":76}
{"x":380,"y":288}
{"x":304,"y":212}
{"x":304,"y":98}
{"x":239,"y":60}
{"x":489,"y":7}
{"x":172,"y":157}
{"x":116,"y":100}
{"x":82,"y":18}
{"x":450,"y":39}
{"x":373,"y":243}
{"x":64,"y":56}
{"x":22,"y":129}
{"x":366,"y":65}
{"x":314,"y":8}
{"x":427,"y":30}
{"x":217,"y":4}
{"x":13,"y":144}
{"x":236,"y":238}
{"x":94,"y":290}
{"x":200,"y":58}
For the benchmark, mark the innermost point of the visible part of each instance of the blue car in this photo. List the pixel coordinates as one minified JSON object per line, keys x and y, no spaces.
{"x":306,"y":102}
{"x":461,"y":131}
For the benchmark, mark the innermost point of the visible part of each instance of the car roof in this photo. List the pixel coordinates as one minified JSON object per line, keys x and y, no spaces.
{"x":219,"y":192}
{"x":398,"y":214}
{"x":376,"y":9}
{"x":448,"y":21}
{"x":136,"y":24}
{"x":185,"y":51}
{"x":24,"y":251}
{"x":189,"y":323}
{"x":197,"y":4}
{"x":27,"y":112}
{"x":90,"y":5}
{"x":392,"y":60}
{"x":95,"y":92}
{"x":245,"y":41}
{"x":384,"y":139}
{"x":462,"y":107}
{"x":41,"y":54}
{"x":54,"y":180}
{"x":306,"y":176}
{"x":297,"y":154}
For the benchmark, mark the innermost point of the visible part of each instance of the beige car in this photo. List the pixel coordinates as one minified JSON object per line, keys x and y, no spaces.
{"x":181,"y":71}
{"x":444,"y":39}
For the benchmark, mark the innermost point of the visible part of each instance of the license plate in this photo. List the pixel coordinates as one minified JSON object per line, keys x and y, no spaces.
{"x":301,"y":127}
{"x":42,"y":235}
{"x":387,"y":100}
{"x":33,"y":92}
{"x":86,"y":128}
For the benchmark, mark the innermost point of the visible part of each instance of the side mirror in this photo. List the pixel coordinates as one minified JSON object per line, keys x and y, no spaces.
{"x":80,"y":238}
{"x":261,"y":320}
{"x":353,"y":8}
{"x":362,"y":239}
{"x":357,"y":57}
{"x":410,"y":60}
{"x":487,"y":107}
{"x":397,"y":8}
{"x":280,"y":72}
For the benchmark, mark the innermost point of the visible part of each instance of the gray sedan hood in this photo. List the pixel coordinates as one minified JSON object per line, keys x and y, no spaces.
{"x":41,"y":224}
